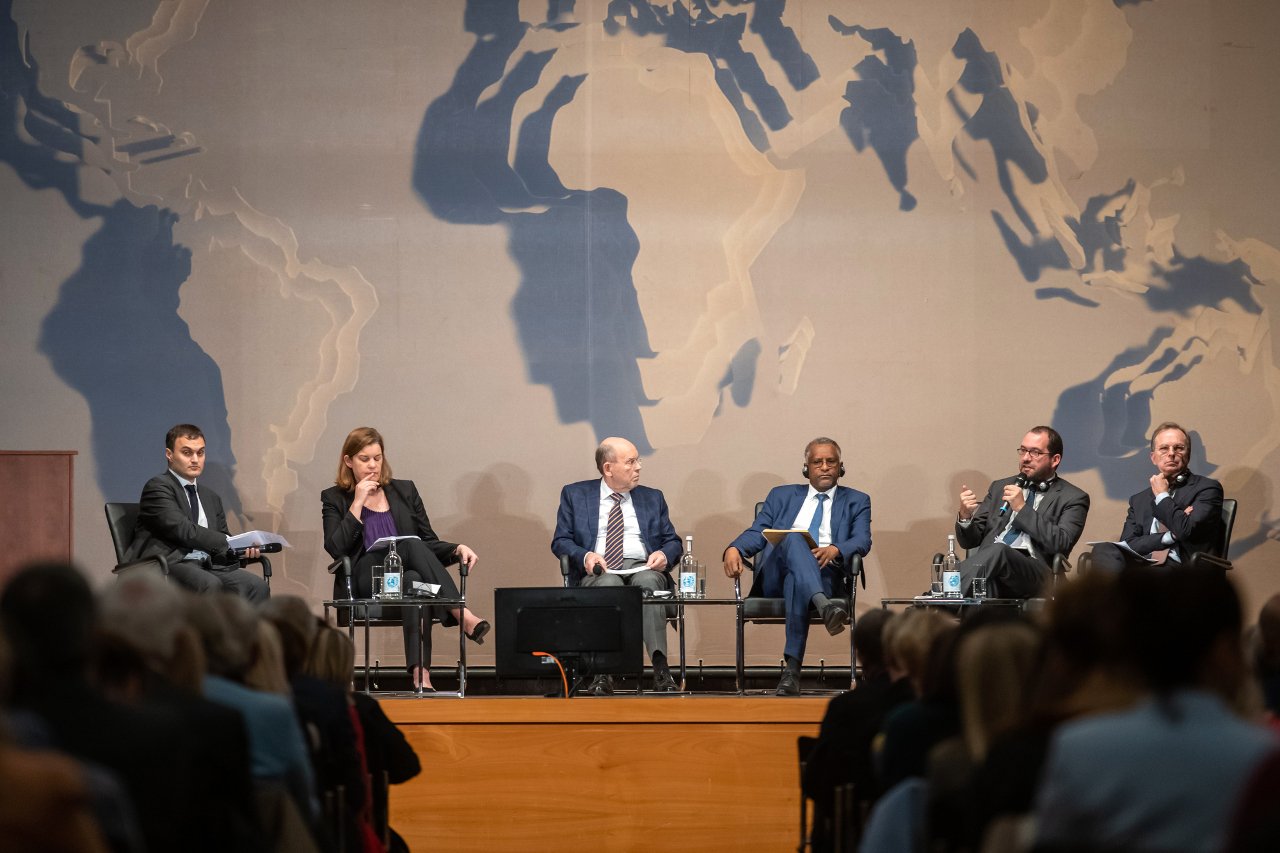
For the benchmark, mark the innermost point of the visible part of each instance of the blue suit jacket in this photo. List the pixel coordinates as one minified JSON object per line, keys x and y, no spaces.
{"x":850,"y":522}
{"x":578,"y":524}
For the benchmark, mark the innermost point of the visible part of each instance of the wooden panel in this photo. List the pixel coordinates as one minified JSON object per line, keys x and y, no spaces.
{"x":622,"y":773}
{"x":37,"y":526}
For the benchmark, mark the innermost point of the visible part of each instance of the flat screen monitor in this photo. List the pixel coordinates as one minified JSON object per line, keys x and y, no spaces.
{"x":594,"y":630}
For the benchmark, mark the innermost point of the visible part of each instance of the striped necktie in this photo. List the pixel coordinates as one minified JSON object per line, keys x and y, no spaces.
{"x":613,"y":535}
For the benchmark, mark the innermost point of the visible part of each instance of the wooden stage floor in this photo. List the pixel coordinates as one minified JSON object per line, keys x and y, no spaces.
{"x":609,"y":773}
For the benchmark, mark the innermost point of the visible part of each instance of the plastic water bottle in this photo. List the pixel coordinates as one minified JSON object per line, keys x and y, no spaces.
{"x":951,"y":570}
{"x":392,"y":573}
{"x":688,"y":571}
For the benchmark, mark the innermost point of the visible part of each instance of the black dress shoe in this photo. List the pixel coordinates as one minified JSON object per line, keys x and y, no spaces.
{"x":788,"y":685}
{"x":602,"y":685}
{"x":663,"y":682}
{"x":478,"y":632}
{"x":835,"y":617}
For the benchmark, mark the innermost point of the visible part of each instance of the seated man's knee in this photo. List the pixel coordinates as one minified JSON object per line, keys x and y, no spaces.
{"x":1107,"y":557}
{"x":604,"y":579}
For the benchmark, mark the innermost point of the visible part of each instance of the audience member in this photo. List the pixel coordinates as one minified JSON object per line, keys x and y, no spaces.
{"x":48,"y":614}
{"x":146,"y":657}
{"x":1166,"y":773}
{"x":389,"y":758}
{"x":842,"y":755}
{"x":227,"y":627}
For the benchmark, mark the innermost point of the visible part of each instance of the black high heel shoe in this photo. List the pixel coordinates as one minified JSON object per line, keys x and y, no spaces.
{"x":478,"y":632}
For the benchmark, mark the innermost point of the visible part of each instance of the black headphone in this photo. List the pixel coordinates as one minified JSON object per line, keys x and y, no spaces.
{"x":1024,"y":482}
{"x":805,"y":470}
{"x":1180,"y":479}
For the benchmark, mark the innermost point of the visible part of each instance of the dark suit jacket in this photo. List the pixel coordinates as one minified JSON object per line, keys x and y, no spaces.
{"x":850,"y":521}
{"x":344,"y":533}
{"x":164,"y":526}
{"x":1199,"y":531}
{"x":578,"y":524}
{"x":1054,"y":528}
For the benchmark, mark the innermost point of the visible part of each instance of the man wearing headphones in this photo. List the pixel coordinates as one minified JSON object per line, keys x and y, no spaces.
{"x":1023,"y":522}
{"x":1179,"y":516}
{"x":838,"y":520}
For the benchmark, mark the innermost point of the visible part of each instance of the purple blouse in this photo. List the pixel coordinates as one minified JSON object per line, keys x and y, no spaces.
{"x":376,"y":525}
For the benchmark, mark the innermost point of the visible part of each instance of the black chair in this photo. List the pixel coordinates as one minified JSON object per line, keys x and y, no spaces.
{"x":376,"y":616}
{"x":1219,"y":559}
{"x":1205,"y":559}
{"x":759,"y":610}
{"x":122,"y":519}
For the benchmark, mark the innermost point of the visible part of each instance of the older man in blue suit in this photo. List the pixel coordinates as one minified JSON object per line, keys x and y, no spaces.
{"x":838,"y":520}
{"x":612,"y":526}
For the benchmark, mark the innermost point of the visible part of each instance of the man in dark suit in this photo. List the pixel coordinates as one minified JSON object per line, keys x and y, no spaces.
{"x":1179,"y":516}
{"x":612,"y":525}
{"x":1023,"y":522}
{"x":184,"y":522}
{"x":838,"y":520}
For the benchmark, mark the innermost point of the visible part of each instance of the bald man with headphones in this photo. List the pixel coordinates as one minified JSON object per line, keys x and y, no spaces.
{"x":1178,"y":516}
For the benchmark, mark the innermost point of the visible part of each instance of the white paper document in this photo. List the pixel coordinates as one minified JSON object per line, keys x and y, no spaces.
{"x":256,"y":539}
{"x":1123,"y":546}
{"x":630,"y":571}
{"x":385,"y":540}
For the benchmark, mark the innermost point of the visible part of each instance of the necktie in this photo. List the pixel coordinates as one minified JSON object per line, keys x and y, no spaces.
{"x":195,"y":504}
{"x":1011,"y":535}
{"x":816,"y":524}
{"x":613,"y":535}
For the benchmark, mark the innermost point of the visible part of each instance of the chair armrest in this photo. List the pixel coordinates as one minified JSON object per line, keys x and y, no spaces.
{"x":266,"y":564}
{"x":737,"y":588}
{"x":564,"y":570}
{"x":157,"y":560}
{"x":343,"y":563}
{"x":1084,"y":563}
{"x":1208,"y":561}
{"x":1061,"y":565}
{"x":855,"y":570}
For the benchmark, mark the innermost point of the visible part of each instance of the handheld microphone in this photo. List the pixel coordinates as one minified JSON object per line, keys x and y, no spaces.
{"x":597,"y":570}
{"x":269,"y":548}
{"x":1021,"y":482}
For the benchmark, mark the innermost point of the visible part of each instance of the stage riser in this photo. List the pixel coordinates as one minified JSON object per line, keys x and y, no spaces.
{"x":635,"y":773}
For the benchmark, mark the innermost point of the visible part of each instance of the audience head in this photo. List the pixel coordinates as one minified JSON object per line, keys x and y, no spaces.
{"x":994,"y":665}
{"x":869,"y":639}
{"x":1268,"y":636}
{"x":1182,"y":629}
{"x":910,"y":640}
{"x":145,"y":611}
{"x":296,"y":625}
{"x":332,"y":658}
{"x":362,"y":456}
{"x":47,"y":611}
{"x":228,"y":629}
{"x":619,"y":464}
{"x":267,"y":673}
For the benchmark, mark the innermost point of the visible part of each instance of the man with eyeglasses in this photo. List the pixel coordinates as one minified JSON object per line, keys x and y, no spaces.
{"x":1023,"y":522}
{"x":614,"y":532}
{"x":1178,"y":516}
{"x":838,"y":520}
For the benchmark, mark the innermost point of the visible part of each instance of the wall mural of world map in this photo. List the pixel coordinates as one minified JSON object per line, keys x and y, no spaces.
{"x":502,"y":230}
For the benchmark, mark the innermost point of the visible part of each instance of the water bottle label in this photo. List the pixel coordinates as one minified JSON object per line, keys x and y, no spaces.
{"x":951,"y":583}
{"x":391,"y":585}
{"x":688,"y":584}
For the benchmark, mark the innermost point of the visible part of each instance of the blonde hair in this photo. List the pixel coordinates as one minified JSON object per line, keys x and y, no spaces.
{"x":266,"y":673}
{"x":332,"y":658}
{"x":911,"y":637}
{"x":358,"y":439}
{"x":993,"y":668}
